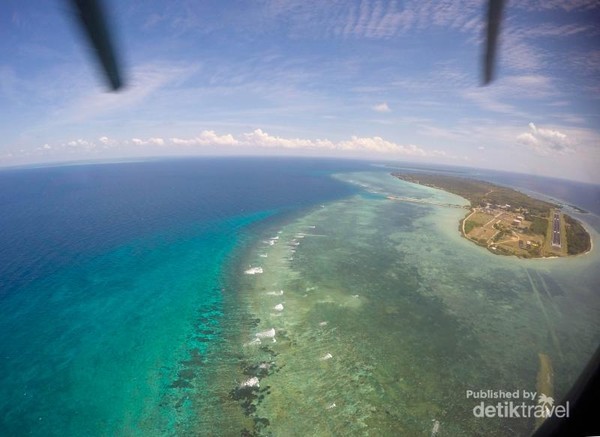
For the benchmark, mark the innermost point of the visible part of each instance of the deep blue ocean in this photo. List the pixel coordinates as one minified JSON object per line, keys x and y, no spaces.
{"x":106,"y":269}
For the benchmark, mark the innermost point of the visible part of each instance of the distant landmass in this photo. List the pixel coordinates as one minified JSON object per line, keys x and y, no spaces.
{"x":508,"y":222}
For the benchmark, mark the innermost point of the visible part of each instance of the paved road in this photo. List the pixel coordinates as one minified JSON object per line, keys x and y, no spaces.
{"x":556,"y":230}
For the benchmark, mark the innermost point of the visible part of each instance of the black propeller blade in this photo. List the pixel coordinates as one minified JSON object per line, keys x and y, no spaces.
{"x":494,"y":17}
{"x":93,"y":20}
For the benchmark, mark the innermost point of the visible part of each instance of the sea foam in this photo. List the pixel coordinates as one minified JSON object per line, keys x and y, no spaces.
{"x":254,"y":271}
{"x":252,"y":382}
{"x":269,"y":333}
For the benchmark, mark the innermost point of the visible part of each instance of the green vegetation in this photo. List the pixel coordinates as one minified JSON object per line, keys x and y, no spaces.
{"x":578,"y":240}
{"x":469,"y":226}
{"x":500,"y":235}
{"x":491,"y":202}
{"x":502,"y":251}
{"x":479,"y":193}
{"x":538,"y":225}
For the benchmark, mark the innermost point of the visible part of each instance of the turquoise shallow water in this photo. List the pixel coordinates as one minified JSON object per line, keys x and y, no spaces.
{"x":112,"y":286}
{"x":383,"y":317}
{"x":126,"y":310}
{"x":105,"y":339}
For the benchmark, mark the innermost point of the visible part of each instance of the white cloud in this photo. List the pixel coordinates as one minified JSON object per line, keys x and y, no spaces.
{"x":144,"y":82}
{"x":263,"y":139}
{"x":81,"y":143}
{"x":206,"y":138}
{"x":156,"y":141}
{"x":546,"y":141}
{"x":587,"y":62}
{"x":372,"y":19}
{"x":153,"y":141}
{"x":259,"y":139}
{"x":504,"y":96}
{"x":381,"y":107}
{"x":379,"y":145}
{"x":376,"y":144}
{"x":490,"y":99}
{"x":183,"y":142}
{"x":565,"y":5}
{"x":518,"y":54}
{"x":552,"y":29}
{"x":528,"y":82}
{"x":107,"y":143}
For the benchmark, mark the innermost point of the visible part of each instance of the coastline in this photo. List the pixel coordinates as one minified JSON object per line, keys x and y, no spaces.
{"x":461,"y":229}
{"x":358,"y":343}
{"x":476,"y":192}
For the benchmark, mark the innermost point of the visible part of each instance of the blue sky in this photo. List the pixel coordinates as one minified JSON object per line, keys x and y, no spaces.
{"x":386,"y":80}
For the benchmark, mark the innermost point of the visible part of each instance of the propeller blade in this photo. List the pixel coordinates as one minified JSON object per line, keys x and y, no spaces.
{"x":93,"y":20}
{"x":494,"y":17}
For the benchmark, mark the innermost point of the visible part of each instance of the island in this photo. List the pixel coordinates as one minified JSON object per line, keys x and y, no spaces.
{"x":508,"y":222}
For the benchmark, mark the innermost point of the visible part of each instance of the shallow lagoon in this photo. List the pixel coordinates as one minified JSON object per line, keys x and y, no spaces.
{"x":389,"y":316}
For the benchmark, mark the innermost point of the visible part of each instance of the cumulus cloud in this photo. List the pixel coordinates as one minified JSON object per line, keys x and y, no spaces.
{"x":545,"y":141}
{"x":381,"y":107}
{"x":108,"y":143}
{"x":206,"y":138}
{"x":379,"y":145}
{"x":156,"y":141}
{"x":81,"y":143}
{"x":259,"y":139}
